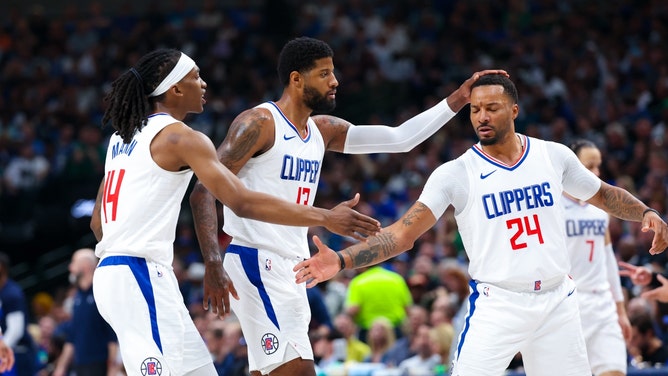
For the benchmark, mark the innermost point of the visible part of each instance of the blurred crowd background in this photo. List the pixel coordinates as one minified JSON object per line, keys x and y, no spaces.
{"x":584,"y":69}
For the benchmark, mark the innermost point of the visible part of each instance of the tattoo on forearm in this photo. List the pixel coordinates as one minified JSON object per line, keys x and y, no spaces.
{"x":373,"y":251}
{"x":206,"y":228}
{"x":414,"y":214}
{"x":622,"y":204}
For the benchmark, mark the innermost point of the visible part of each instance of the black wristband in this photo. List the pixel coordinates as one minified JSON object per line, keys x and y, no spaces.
{"x":342,"y":262}
{"x":650,"y":210}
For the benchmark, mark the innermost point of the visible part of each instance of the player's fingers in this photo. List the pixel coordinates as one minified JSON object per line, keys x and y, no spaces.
{"x":353,"y":201}
{"x":233,"y":291}
{"x":365,"y":225}
{"x":662,"y":279}
{"x":300,"y":265}
{"x":626,"y":265}
{"x":357,"y":236}
{"x":625,"y":273}
{"x":312,"y":283}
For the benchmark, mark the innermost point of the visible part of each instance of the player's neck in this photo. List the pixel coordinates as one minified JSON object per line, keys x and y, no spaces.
{"x":296,"y":112}
{"x":508,"y":151}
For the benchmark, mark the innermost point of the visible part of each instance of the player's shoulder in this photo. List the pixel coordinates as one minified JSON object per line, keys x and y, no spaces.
{"x":552,"y":146}
{"x":254,"y":117}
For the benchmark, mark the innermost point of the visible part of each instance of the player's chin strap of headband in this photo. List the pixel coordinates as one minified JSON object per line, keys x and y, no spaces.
{"x":183,"y":67}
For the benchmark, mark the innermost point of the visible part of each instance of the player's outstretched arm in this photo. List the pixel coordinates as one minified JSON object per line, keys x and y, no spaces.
{"x":621,"y":204}
{"x":197,"y":151}
{"x":342,"y":136}
{"x":391,"y":241}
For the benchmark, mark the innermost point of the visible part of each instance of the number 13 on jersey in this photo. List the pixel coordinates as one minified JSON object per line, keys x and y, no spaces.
{"x":112,"y":188}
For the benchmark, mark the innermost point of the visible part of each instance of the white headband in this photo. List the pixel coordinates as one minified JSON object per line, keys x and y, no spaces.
{"x":183,"y":67}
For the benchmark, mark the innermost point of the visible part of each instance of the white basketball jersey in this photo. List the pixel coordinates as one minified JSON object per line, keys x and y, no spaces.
{"x":585,"y":237}
{"x":141,"y":201}
{"x":510,"y":216}
{"x":289,"y":170}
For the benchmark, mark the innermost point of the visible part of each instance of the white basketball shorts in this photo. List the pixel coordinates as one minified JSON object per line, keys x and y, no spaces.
{"x":544,"y":326}
{"x":141,"y":301}
{"x":606,"y":347}
{"x":273,"y":309}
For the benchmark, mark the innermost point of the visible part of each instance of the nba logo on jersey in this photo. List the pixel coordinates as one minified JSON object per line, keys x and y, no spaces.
{"x":536,"y":286}
{"x":485,"y":291}
{"x":151,"y":366}
{"x":269,"y":343}
{"x":267,"y":264}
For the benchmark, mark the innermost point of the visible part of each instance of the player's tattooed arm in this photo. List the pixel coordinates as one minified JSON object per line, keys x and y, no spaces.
{"x":624,"y":205}
{"x":621,"y":203}
{"x":392,"y":241}
{"x":376,"y":249}
{"x":250,"y":134}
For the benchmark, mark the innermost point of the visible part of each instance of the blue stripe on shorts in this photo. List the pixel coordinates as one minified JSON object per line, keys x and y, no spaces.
{"x":140,"y":271}
{"x":249,"y":260}
{"x":472,"y":299}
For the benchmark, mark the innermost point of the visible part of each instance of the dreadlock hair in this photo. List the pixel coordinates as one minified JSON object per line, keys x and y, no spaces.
{"x":300,"y":55}
{"x":128,"y":102}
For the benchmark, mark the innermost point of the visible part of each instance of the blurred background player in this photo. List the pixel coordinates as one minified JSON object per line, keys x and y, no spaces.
{"x":594,"y":269}
{"x":90,"y":348}
{"x":14,"y":321}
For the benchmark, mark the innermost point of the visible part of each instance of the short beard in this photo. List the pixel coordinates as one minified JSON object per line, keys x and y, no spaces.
{"x":317,"y":102}
{"x":488,"y":141}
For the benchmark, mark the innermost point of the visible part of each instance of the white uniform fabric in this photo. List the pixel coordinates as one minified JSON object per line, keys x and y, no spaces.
{"x":273,"y":310}
{"x":141,"y":202}
{"x":289,"y":170}
{"x":544,"y":327}
{"x":141,"y":301}
{"x":134,"y":285}
{"x":511,"y":222}
{"x":586,"y":226}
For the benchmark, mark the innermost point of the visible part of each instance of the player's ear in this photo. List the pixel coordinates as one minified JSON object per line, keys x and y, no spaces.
{"x":296,"y":79}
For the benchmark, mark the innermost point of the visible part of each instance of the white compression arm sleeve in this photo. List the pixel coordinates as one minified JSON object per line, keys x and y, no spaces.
{"x":15,"y":327}
{"x":613,"y":274}
{"x":366,"y":139}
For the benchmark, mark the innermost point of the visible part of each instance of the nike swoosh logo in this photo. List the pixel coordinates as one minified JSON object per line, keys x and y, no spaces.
{"x":482,"y":176}
{"x":286,"y":138}
{"x":571,"y":292}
